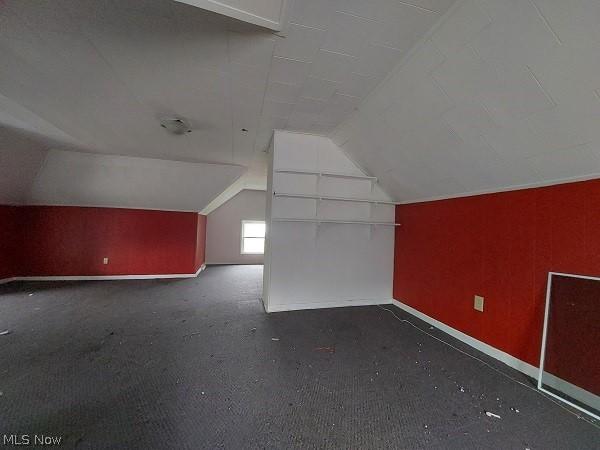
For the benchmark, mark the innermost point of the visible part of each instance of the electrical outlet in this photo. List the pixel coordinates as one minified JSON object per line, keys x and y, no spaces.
{"x":105,"y":261}
{"x":478,"y":303}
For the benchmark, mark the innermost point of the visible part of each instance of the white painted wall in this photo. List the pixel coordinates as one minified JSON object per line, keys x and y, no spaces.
{"x":312,"y":265}
{"x":224,"y":228}
{"x":83,"y":179}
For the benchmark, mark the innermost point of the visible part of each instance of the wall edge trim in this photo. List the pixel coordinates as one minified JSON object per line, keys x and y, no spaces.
{"x":234,"y":263}
{"x":553,"y":381}
{"x":489,"y":350}
{"x":329,"y":304}
{"x":105,"y":277}
{"x":573,"y":391}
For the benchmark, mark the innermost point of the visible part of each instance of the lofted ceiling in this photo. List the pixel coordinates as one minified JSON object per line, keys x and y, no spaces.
{"x":85,"y":179}
{"x":96,"y":76}
{"x":500,"y":94}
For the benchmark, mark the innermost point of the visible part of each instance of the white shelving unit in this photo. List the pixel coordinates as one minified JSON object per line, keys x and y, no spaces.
{"x":325,"y":174}
{"x":330,"y":239}
{"x":318,"y":221}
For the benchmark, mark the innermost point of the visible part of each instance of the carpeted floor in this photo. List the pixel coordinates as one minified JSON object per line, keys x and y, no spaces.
{"x":196,"y":363}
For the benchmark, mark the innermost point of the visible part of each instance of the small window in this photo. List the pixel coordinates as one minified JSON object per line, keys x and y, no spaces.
{"x":253,"y":237}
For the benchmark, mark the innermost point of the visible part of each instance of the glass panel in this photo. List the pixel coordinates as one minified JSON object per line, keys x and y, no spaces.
{"x":254,"y":245}
{"x":256,"y":230}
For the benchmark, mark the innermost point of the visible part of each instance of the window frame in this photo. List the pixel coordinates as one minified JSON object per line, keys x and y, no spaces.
{"x":242,"y":237}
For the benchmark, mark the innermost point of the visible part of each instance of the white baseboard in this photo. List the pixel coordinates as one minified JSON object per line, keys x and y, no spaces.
{"x":550,"y":380}
{"x":235,"y":264}
{"x":106,"y":277}
{"x":507,"y":359}
{"x":586,"y":397}
{"x":327,"y":304}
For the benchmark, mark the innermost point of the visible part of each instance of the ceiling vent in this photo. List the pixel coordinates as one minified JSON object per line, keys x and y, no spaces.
{"x":176,"y":125}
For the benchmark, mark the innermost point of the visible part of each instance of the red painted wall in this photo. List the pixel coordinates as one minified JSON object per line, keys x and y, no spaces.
{"x":200,"y":242}
{"x":62,"y":241}
{"x":9,"y":241}
{"x":500,"y":246}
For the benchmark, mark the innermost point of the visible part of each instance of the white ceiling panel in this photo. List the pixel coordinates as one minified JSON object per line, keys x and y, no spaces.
{"x":566,"y":163}
{"x":377,"y":60}
{"x":501,"y":95}
{"x":349,"y":33}
{"x":465,"y":75}
{"x":332,"y":66}
{"x":379,"y":10}
{"x":439,"y":6}
{"x":518,"y":34}
{"x":404,"y":30}
{"x":573,"y":21}
{"x":469,"y":119}
{"x":301,"y":42}
{"x":313,"y":13}
{"x":319,"y":89}
{"x":291,"y":71}
{"x":101,"y":74}
{"x":516,"y":141}
{"x":299,"y":121}
{"x":358,"y":85}
{"x":341,"y":104}
{"x":518,"y":92}
{"x":568,"y":71}
{"x":252,"y":49}
{"x":469,"y":18}
{"x":309,"y":106}
{"x":277,"y":109}
{"x":568,"y":124}
{"x":45,"y":16}
{"x":283,"y":92}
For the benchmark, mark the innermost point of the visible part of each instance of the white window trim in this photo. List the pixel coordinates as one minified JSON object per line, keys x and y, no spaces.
{"x":242,"y":252}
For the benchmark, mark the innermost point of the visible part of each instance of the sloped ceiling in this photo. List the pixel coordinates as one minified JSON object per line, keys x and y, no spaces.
{"x":502,"y":94}
{"x":20,"y":165}
{"x":73,"y":178}
{"x":99,"y":74}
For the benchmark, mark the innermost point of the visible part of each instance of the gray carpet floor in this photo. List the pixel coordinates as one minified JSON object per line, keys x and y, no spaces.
{"x":198,"y":364}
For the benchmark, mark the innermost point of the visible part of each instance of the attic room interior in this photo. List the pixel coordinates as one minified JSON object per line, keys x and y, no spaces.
{"x":307,"y":224}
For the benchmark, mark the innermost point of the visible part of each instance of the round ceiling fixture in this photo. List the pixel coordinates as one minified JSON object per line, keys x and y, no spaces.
{"x":176,"y":125}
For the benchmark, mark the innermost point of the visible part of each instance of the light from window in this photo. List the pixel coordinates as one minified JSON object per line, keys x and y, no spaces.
{"x":253,"y":237}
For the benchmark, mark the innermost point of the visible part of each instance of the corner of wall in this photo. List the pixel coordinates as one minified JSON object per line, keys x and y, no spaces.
{"x":200,"y":253}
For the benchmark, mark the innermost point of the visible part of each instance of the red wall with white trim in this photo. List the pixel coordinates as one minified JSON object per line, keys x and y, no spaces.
{"x":500,"y":246}
{"x":72,"y":241}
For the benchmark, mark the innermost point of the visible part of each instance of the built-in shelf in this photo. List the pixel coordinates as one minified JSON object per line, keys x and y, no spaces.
{"x":356,"y":222}
{"x":337,"y":199}
{"x":325,"y":174}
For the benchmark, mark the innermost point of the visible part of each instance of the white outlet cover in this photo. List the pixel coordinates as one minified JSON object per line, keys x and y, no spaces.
{"x":478,"y":303}
{"x":105,"y":261}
